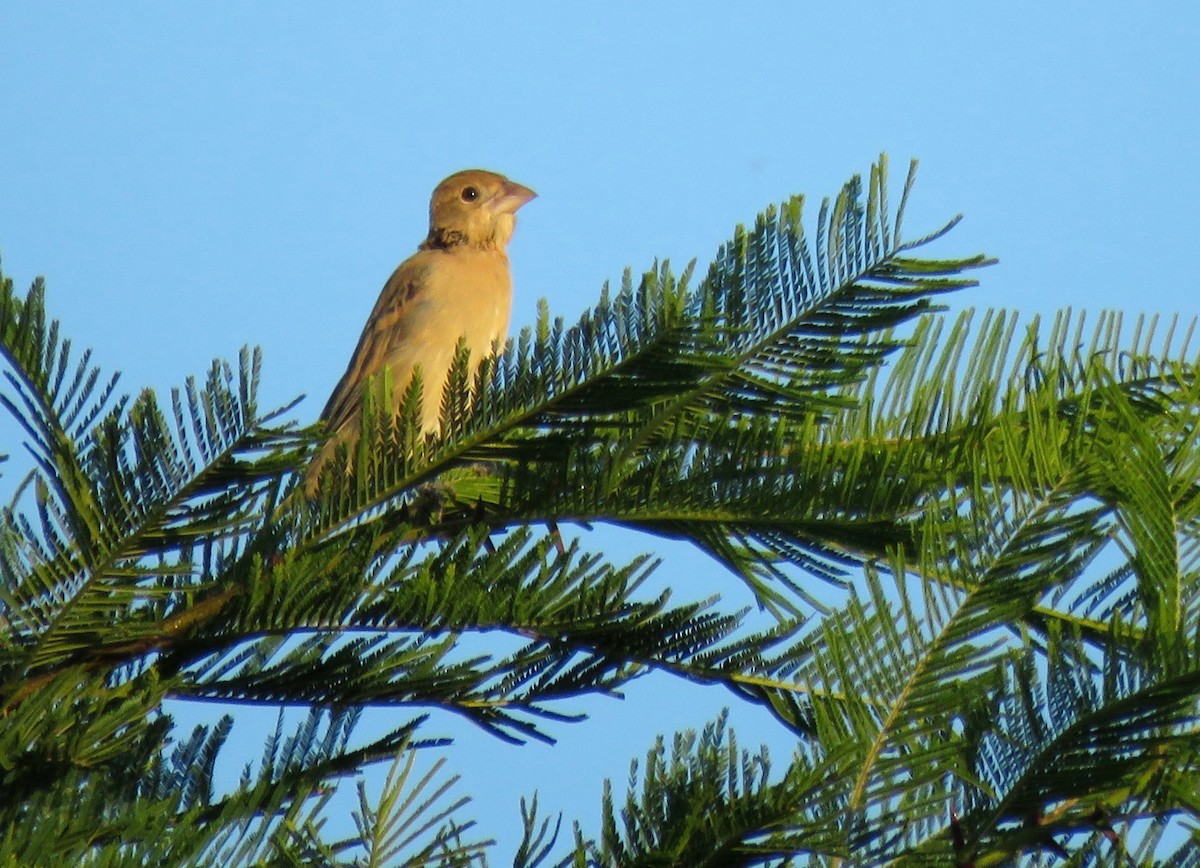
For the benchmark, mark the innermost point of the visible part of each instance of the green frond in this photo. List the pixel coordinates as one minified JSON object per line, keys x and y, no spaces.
{"x":707,"y":803}
{"x":423,"y":832}
{"x":187,"y":775}
{"x":398,"y":641}
{"x":1038,"y":755}
{"x":537,"y":839}
{"x":121,"y":498}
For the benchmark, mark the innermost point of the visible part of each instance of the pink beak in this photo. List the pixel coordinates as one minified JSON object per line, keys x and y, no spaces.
{"x":511,"y":197}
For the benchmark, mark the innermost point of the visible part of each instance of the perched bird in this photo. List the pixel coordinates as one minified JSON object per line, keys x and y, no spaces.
{"x":456,"y":286}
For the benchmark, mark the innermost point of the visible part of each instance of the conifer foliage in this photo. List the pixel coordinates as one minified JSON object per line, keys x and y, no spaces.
{"x":976,"y":541}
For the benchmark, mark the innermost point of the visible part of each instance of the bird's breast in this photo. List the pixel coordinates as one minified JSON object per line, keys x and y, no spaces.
{"x":469,"y":296}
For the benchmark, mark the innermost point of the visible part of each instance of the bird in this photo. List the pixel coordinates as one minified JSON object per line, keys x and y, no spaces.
{"x":456,"y":287}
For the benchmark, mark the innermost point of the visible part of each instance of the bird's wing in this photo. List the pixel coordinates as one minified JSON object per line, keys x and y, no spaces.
{"x":388,"y":327}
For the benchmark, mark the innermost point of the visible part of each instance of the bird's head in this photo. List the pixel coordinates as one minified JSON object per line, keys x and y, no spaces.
{"x":475,"y":207}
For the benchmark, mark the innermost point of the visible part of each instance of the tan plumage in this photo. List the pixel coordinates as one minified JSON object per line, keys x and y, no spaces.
{"x":457,"y":285}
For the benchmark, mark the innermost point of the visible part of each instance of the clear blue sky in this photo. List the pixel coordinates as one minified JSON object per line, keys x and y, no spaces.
{"x":195,"y":177}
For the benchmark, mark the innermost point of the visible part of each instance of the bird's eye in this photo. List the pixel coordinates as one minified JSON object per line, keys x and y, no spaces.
{"x":470,"y":194}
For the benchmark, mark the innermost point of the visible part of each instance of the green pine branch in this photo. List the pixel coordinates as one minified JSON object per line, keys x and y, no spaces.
{"x":974,"y":541}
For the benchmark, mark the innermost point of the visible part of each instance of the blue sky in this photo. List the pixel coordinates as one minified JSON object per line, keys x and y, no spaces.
{"x":191,"y":178}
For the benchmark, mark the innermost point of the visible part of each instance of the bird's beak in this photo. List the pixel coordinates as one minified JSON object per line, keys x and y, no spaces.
{"x":511,"y":197}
